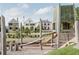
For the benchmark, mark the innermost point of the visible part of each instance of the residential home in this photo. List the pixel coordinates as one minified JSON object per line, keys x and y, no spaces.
{"x":13,"y":25}
{"x":46,"y":25}
{"x":29,"y":24}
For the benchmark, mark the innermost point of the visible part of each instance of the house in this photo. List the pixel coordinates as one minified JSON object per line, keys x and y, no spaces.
{"x":29,"y":24}
{"x":46,"y":25}
{"x":13,"y":25}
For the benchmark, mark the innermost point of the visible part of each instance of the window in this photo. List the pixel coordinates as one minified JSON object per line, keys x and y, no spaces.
{"x":48,"y":23}
{"x":48,"y":28}
{"x":32,"y":24}
{"x":16,"y":28}
{"x":10,"y":23}
{"x":10,"y":28}
{"x":44,"y":23}
{"x":27,"y":24}
{"x":44,"y":28}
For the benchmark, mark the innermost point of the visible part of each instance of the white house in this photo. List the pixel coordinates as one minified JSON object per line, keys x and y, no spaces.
{"x":29,"y":24}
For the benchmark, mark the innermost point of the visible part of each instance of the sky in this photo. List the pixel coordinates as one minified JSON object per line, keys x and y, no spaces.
{"x":34,"y":11}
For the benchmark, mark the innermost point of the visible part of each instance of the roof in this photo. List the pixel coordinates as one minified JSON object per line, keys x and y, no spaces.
{"x":13,"y":21}
{"x":29,"y":20}
{"x":46,"y":21}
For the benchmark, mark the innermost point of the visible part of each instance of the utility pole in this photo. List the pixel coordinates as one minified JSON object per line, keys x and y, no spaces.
{"x":41,"y":34}
{"x":3,"y":36}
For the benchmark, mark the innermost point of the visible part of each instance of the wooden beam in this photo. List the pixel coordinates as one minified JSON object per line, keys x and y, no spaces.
{"x":3,"y":36}
{"x":41,"y":34}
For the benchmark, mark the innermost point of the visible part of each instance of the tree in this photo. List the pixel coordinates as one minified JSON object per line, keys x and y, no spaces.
{"x":31,"y":29}
{"x":27,"y":31}
{"x":22,"y":29}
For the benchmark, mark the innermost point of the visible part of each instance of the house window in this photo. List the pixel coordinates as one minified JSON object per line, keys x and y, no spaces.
{"x":27,"y":24}
{"x":48,"y":28}
{"x":48,"y":23}
{"x":10,"y":23}
{"x":44,"y":23}
{"x":10,"y":28}
{"x":44,"y":28}
{"x":16,"y":28}
{"x":32,"y":24}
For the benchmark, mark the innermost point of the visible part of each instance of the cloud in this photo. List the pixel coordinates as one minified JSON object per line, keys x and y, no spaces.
{"x":23,"y":5}
{"x":13,"y":12}
{"x":43,"y":10}
{"x":16,"y":11}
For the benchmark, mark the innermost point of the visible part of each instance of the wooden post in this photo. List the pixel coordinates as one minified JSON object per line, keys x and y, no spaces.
{"x":3,"y":36}
{"x":41,"y":34}
{"x":16,"y":47}
{"x":58,"y":25}
{"x":77,"y":31}
{"x":52,"y":39}
{"x":21,"y":33}
{"x":52,"y":35}
{"x":76,"y":25}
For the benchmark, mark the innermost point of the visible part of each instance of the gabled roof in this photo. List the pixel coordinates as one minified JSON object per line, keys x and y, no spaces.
{"x":46,"y":21}
{"x":29,"y":20}
{"x":13,"y":21}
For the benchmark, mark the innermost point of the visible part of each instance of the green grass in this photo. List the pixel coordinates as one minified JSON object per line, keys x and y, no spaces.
{"x":65,"y":51}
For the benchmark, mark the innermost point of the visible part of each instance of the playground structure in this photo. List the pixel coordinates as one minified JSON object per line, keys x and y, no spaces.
{"x":15,"y":46}
{"x":65,"y":32}
{"x":47,"y":40}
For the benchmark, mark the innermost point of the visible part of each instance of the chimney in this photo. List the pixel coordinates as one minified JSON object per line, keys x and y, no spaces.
{"x":17,"y":19}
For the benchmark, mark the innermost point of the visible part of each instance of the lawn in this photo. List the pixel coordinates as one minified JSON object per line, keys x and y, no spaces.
{"x":65,"y":51}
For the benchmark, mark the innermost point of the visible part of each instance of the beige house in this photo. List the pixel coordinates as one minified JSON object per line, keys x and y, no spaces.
{"x":13,"y":25}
